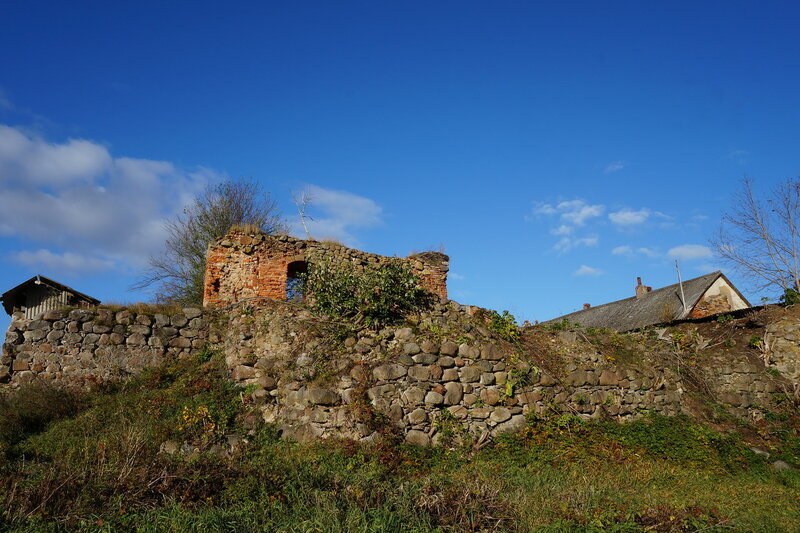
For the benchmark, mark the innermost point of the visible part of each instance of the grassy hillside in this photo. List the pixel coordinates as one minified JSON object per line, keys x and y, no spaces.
{"x":179,"y":449}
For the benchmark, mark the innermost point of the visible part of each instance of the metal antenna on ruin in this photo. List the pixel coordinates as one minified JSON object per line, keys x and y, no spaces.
{"x":301,"y":203}
{"x":680,"y":282}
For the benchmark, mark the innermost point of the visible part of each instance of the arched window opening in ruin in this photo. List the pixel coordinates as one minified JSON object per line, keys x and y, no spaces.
{"x":294,"y":279}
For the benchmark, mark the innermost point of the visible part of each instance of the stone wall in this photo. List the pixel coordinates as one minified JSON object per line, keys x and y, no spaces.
{"x":744,"y":386}
{"x":442,"y":374}
{"x":782,"y":345}
{"x":85,"y":346}
{"x":250,"y":265}
{"x":443,"y":369}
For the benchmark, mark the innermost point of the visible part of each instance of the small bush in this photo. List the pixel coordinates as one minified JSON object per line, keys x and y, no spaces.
{"x":756,"y":342}
{"x":378,"y":295}
{"x":563,"y":325}
{"x":505,"y":325}
{"x":790,"y":296}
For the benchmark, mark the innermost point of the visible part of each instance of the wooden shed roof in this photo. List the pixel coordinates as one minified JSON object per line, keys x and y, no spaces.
{"x":8,"y":297}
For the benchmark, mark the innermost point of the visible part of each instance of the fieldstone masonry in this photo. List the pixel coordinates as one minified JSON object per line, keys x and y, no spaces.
{"x":443,"y":368}
{"x":419,"y":379}
{"x":85,"y":346}
{"x":781,"y":347}
{"x":245,"y":265}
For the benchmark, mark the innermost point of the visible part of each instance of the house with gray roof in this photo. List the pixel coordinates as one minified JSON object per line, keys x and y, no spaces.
{"x":694,"y":298}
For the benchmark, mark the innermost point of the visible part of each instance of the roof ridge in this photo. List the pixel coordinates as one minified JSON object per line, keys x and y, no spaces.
{"x":660,"y":290}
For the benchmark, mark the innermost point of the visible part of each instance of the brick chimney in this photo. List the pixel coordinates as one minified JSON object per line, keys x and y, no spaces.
{"x":641,"y":290}
{"x":587,"y":306}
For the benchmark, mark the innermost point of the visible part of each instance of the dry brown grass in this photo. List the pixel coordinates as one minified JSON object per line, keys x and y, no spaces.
{"x":143,"y":308}
{"x":249,"y":229}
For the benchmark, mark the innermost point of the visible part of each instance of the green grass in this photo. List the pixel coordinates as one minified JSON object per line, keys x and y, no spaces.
{"x":95,"y":466}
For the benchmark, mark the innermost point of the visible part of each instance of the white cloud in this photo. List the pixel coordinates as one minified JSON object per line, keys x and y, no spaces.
{"x":629,"y":251}
{"x":622,"y":250}
{"x":615,"y":166}
{"x":648,"y":252}
{"x":66,"y":262}
{"x":43,"y":163}
{"x":566,"y":244}
{"x":455,"y":276}
{"x":629,"y":217}
{"x":76,"y":197}
{"x":585,"y":270}
{"x":336,"y":213}
{"x":562,"y":230}
{"x":707,"y":268}
{"x":574,"y":212}
{"x":699,"y":218}
{"x":738,"y":156}
{"x":544,"y":209}
{"x":688,"y":252}
{"x":578,"y":212}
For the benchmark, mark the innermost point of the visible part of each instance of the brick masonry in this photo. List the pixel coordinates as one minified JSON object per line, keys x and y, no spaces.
{"x":250,"y":265}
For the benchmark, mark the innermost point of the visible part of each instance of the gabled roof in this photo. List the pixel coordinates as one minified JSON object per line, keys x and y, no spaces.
{"x":655,"y":307}
{"x":8,"y":296}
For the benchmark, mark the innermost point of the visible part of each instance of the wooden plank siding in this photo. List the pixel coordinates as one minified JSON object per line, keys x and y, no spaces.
{"x":41,"y":298}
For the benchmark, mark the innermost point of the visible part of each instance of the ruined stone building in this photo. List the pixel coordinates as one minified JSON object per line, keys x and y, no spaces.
{"x":245,"y":265}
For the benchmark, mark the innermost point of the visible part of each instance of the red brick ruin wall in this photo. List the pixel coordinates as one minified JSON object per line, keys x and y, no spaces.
{"x":245,"y":265}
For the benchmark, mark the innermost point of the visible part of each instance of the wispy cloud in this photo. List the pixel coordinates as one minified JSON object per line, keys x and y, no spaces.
{"x":689,"y":252}
{"x":649,"y":252}
{"x":573,"y":212}
{"x":707,"y":267}
{"x":629,"y":251}
{"x":615,"y":166}
{"x":572,"y":215}
{"x":738,"y":156}
{"x":336,"y":214}
{"x":562,"y":230}
{"x":544,"y":209}
{"x":586,"y":270}
{"x":565,"y":244}
{"x":622,"y":250}
{"x":629,"y":217}
{"x":455,"y":276}
{"x":578,"y":212}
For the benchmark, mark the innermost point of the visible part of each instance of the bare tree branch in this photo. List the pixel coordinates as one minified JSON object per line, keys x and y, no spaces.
{"x":760,"y":239}
{"x":177,"y":273}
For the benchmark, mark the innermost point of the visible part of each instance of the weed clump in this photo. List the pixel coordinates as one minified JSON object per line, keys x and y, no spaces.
{"x":374,"y":295}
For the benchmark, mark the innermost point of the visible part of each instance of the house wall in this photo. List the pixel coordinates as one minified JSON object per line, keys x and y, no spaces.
{"x":251,"y":265}
{"x":719,"y":298}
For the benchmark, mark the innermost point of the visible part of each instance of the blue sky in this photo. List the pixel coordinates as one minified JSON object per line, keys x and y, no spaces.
{"x":556,"y":152}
